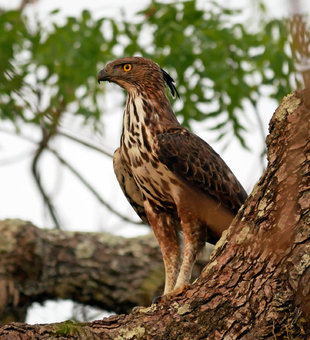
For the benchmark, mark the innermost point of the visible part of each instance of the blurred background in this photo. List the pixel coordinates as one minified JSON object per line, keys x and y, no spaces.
{"x":233,"y":61}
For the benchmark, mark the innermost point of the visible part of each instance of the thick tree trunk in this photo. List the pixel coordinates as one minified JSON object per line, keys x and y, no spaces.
{"x":256,"y":285}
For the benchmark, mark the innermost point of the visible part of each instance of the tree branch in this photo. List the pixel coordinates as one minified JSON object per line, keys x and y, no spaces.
{"x":99,"y":269}
{"x":39,"y":264}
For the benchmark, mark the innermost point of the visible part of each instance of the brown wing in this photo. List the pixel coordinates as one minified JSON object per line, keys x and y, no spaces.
{"x":128,"y":185}
{"x":193,"y":160}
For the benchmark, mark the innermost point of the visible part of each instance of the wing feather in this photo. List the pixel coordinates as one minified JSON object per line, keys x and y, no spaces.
{"x":129,"y":185}
{"x":192,"y":159}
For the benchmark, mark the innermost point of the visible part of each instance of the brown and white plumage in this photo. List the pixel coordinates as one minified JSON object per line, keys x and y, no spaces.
{"x":171,"y":177}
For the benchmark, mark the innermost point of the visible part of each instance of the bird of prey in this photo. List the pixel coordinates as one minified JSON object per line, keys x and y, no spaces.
{"x":172,"y":178}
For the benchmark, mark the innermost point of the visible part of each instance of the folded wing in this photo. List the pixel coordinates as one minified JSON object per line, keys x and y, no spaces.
{"x":194,"y":161}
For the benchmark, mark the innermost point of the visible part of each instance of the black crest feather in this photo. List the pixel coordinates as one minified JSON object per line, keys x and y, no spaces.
{"x":170,"y":82}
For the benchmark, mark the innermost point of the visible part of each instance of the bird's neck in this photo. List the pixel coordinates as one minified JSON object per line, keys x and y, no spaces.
{"x":147,"y":112}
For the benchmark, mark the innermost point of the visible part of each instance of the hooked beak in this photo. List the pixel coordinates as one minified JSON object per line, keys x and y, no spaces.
{"x":102,"y":76}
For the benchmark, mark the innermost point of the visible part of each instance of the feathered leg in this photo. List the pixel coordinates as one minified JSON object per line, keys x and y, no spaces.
{"x":193,"y":244}
{"x":167,"y":236}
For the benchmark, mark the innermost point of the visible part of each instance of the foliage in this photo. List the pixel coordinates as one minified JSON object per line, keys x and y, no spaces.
{"x":13,"y":38}
{"x":218,"y":64}
{"x":46,"y":71}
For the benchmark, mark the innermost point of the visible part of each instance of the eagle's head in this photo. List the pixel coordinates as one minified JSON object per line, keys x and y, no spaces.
{"x":137,"y":72}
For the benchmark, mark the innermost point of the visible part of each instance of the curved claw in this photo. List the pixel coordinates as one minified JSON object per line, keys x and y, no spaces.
{"x":171,"y":295}
{"x":159,"y":299}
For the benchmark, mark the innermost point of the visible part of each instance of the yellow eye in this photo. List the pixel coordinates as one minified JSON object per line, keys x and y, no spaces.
{"x":127,"y":67}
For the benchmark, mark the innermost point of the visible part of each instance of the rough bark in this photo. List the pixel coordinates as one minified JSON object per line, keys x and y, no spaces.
{"x":98,"y":269}
{"x":256,"y":285}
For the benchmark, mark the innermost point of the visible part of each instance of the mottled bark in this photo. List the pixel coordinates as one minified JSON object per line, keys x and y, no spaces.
{"x":98,"y":269}
{"x":256,"y":285}
{"x":111,"y":272}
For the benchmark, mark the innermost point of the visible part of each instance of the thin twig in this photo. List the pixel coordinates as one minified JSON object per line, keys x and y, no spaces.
{"x":48,"y":132}
{"x":36,"y":174}
{"x":91,"y":188}
{"x":87,"y":144}
{"x":85,"y":182}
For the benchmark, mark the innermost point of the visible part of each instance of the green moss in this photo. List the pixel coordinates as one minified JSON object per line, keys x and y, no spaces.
{"x":68,"y":327}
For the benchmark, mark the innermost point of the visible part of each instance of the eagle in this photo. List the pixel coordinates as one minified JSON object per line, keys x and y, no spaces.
{"x":172,"y":178}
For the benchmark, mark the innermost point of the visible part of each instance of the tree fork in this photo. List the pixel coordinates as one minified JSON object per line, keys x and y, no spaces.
{"x":256,"y":285}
